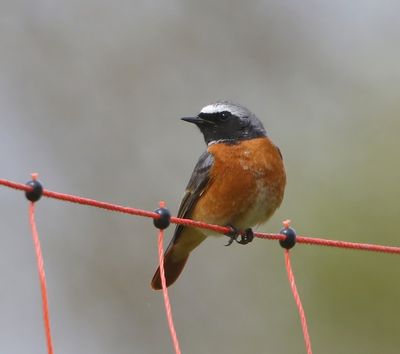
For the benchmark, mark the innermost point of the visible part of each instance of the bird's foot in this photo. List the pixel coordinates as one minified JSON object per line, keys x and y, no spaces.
{"x":234,"y":234}
{"x":246,"y":237}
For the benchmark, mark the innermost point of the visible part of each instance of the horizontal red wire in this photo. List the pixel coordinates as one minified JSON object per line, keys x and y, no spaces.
{"x":202,"y":225}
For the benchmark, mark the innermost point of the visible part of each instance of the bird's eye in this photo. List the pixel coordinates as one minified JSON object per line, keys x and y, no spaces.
{"x":224,"y":116}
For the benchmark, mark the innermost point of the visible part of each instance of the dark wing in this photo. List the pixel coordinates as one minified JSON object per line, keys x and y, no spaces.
{"x":198,"y":183}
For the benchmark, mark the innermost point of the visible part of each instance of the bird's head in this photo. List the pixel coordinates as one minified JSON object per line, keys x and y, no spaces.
{"x":227,"y":122}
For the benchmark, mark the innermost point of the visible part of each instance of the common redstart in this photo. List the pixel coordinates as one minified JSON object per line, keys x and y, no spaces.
{"x":238,"y":182}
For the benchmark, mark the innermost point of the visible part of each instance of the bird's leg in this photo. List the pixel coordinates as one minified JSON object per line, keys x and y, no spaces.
{"x":246,"y":237}
{"x":233,"y":234}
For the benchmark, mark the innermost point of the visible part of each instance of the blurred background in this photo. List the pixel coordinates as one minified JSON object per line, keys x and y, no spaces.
{"x":90,"y":96}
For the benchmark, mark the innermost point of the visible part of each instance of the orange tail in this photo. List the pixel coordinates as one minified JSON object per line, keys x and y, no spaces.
{"x":173,"y":268}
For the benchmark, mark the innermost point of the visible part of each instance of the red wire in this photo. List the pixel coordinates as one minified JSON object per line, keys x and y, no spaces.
{"x":168,"y":309}
{"x":298,"y":302}
{"x":199,"y":224}
{"x":42,"y":278}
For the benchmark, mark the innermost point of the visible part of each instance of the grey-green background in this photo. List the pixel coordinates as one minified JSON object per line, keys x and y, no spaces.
{"x":90,"y":96}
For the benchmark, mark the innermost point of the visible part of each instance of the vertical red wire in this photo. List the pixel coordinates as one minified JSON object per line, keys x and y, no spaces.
{"x":298,"y":302}
{"x":42,"y":278}
{"x":168,"y":309}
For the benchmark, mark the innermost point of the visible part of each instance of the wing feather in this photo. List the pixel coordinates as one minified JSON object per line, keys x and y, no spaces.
{"x":198,"y":184}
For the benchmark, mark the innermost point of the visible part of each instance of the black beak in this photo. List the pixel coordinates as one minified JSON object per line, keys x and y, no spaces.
{"x":198,"y":120}
{"x":195,"y":120}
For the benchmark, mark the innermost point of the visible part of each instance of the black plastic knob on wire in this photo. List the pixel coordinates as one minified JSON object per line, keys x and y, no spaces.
{"x":165,"y":217}
{"x":37,"y":189}
{"x":290,"y":234}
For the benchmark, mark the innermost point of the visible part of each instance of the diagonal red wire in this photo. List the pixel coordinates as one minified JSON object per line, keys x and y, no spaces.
{"x":199,"y":224}
{"x":42,"y":278}
{"x":167,"y":303}
{"x":298,"y":302}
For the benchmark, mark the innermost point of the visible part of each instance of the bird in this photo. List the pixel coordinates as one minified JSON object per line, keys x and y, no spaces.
{"x":238,"y":182}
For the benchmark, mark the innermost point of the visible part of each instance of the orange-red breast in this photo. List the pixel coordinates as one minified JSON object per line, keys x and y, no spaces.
{"x":239,"y":181}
